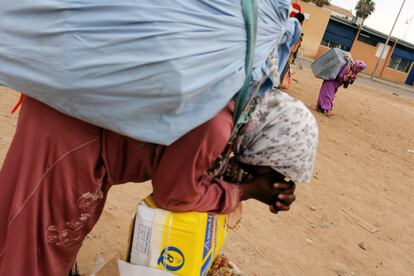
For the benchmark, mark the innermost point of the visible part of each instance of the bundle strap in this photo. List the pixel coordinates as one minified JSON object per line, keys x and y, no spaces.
{"x":18,"y":104}
{"x":250,"y":19}
{"x":244,"y":98}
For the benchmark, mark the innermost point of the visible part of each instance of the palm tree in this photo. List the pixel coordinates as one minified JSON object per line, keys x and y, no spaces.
{"x":321,"y":3}
{"x":364,"y":8}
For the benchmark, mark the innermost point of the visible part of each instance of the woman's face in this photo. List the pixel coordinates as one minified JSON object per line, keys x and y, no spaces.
{"x":259,"y":170}
{"x":358,"y":70}
{"x":255,"y":170}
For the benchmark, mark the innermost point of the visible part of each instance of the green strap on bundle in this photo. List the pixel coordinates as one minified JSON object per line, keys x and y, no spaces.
{"x":250,"y":19}
{"x":240,"y":115}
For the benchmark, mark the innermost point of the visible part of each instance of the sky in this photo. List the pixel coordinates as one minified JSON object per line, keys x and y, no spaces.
{"x":384,"y":16}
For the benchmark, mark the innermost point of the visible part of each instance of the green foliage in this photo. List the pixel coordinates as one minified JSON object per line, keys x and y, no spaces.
{"x":365,"y":8}
{"x":321,"y":3}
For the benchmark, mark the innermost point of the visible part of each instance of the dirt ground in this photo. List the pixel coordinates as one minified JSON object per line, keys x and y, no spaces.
{"x":354,"y":218}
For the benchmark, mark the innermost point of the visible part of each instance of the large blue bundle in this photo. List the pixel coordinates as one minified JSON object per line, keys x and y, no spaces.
{"x":148,"y":69}
{"x":328,"y":65}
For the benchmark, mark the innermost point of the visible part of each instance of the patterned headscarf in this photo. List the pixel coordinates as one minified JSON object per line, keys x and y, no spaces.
{"x":358,"y":64}
{"x":283,"y":134}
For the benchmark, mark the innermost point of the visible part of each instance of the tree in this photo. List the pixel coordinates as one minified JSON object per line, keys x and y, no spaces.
{"x":321,"y":3}
{"x":364,"y":8}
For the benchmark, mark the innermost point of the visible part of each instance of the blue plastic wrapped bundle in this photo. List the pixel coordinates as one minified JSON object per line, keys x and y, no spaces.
{"x":328,"y":65}
{"x":149,"y":69}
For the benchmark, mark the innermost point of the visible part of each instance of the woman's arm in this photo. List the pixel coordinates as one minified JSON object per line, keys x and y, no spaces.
{"x":179,"y":180}
{"x":343,"y":75}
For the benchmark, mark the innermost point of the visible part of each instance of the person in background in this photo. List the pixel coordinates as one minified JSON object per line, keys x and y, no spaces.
{"x":347,"y":76}
{"x":296,"y":48}
{"x":300,"y":17}
{"x":294,"y":26}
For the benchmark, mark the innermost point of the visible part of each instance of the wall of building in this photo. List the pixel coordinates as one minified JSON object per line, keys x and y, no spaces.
{"x":322,"y":50}
{"x":394,"y":75}
{"x":366,"y":52}
{"x":313,"y":28}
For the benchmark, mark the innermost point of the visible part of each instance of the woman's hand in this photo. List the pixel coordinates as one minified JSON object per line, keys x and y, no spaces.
{"x":279,"y":195}
{"x":259,"y":188}
{"x":348,"y":76}
{"x":285,"y":196}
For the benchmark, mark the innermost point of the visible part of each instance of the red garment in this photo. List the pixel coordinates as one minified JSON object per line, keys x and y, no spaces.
{"x":58,"y":170}
{"x":296,"y":8}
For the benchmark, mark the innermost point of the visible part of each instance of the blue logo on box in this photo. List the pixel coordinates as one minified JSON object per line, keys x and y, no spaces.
{"x":209,"y":235}
{"x":171,"y":258}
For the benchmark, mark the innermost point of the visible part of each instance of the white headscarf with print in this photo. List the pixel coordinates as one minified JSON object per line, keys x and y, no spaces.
{"x":283,"y":134}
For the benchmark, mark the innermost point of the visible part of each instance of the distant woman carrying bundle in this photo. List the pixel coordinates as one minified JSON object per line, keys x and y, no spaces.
{"x":347,"y":76}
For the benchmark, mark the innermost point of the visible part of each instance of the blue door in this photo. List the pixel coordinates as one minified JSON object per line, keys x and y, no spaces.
{"x":410,"y":79}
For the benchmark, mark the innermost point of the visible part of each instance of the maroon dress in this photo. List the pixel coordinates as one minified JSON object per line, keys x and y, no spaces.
{"x":58,"y":170}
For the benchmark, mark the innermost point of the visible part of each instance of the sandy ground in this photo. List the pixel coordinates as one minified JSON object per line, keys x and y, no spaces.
{"x":363,"y":183}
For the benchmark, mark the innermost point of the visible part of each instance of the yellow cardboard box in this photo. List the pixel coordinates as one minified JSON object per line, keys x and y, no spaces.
{"x":181,"y":243}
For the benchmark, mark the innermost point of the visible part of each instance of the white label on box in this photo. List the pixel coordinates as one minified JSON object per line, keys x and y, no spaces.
{"x":143,"y":239}
{"x":141,"y":243}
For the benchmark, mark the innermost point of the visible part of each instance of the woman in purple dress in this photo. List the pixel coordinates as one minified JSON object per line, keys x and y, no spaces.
{"x":347,"y":75}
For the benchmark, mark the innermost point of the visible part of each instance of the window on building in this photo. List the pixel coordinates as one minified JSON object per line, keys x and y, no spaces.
{"x":371,"y":40}
{"x":331,"y":44}
{"x":399,"y":63}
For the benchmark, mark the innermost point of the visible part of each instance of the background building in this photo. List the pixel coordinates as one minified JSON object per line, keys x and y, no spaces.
{"x":330,"y":27}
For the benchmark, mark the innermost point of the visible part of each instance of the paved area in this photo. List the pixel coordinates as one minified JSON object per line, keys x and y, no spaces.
{"x":401,"y":90}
